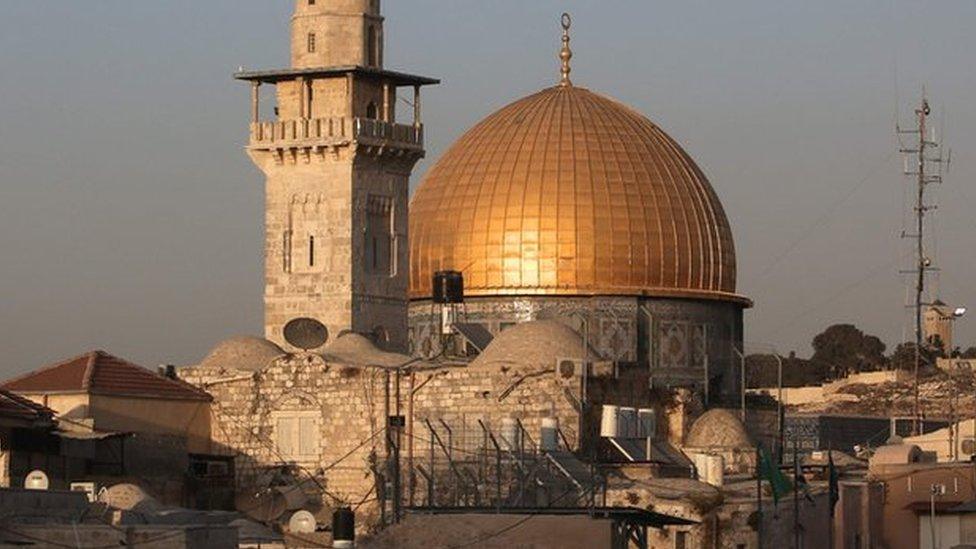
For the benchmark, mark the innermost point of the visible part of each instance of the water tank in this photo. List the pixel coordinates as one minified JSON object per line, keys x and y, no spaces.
{"x":550,"y":434}
{"x":343,"y":528}
{"x":448,"y":287}
{"x":302,"y":522}
{"x":510,"y":433}
{"x":627,"y":423}
{"x":646,"y":423}
{"x":608,"y":421}
{"x":715,"y":470}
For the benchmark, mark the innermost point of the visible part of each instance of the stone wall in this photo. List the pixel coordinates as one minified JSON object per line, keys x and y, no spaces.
{"x":350,"y":404}
{"x":680,"y":340}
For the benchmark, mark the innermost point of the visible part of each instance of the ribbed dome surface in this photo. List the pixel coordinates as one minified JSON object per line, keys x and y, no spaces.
{"x":567,"y":192}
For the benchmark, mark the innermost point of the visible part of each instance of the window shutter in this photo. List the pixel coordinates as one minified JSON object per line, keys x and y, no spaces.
{"x":309,"y":437}
{"x":285,"y":431}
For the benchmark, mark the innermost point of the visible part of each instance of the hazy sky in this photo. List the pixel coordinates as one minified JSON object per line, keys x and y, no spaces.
{"x":131,"y":220}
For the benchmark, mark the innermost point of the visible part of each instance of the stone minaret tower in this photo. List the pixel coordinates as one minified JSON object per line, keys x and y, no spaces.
{"x":338,"y":166}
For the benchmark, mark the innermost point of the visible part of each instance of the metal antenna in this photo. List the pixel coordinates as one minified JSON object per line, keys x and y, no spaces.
{"x":918,"y":159}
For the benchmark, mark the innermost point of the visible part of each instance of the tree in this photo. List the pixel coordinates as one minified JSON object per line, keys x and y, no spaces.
{"x":903,"y":357}
{"x":843,"y":350}
{"x":761,"y":371}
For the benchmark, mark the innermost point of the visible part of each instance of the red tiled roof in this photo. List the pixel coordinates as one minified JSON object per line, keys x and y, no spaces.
{"x":101,"y":373}
{"x":16,"y":407}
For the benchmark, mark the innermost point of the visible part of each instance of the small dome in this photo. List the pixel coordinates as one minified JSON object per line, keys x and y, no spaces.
{"x":358,"y":350}
{"x":718,"y":428}
{"x":896,"y":454}
{"x":537,"y":343}
{"x":246,"y":353}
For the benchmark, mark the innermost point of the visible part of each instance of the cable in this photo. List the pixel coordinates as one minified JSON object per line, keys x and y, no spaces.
{"x":49,"y":543}
{"x":871,"y":274}
{"x":823,"y":218}
{"x":508,"y":528}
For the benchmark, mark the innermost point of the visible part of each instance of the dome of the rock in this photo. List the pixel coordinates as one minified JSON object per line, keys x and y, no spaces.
{"x":567,"y":192}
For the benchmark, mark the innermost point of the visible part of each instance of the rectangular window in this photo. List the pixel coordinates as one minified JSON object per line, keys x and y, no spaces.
{"x":681,"y":540}
{"x":311,"y":251}
{"x":297,"y":436}
{"x":380,"y":237}
{"x":311,"y":42}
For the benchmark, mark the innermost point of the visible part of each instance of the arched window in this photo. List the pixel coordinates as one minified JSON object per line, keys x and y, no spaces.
{"x":371,"y":111}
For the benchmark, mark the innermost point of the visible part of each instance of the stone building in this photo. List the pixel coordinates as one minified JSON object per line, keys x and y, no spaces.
{"x":564,"y":205}
{"x":338,"y":166}
{"x":117,"y":421}
{"x":318,"y":420}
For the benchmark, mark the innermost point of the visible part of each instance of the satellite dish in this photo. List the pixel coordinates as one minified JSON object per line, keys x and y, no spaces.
{"x":302,"y":522}
{"x":306,"y":333}
{"x":37,"y":480}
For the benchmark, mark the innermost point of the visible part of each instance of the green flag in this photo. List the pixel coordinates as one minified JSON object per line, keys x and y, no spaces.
{"x":834,"y":480}
{"x":778,"y":483}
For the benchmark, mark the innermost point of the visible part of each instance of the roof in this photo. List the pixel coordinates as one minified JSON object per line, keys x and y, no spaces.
{"x":357,"y":350}
{"x":568,"y":192}
{"x":246,"y":353}
{"x":98,"y":372}
{"x":18,"y":409}
{"x":718,"y":428}
{"x":634,"y":515}
{"x":279,"y":75}
{"x":539,"y":343}
{"x":896,"y":454}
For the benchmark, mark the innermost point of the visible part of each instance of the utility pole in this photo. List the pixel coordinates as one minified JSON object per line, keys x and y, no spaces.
{"x":922,"y":263}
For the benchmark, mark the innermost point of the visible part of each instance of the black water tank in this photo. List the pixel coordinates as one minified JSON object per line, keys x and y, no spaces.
{"x":343,"y":527}
{"x":448,"y":287}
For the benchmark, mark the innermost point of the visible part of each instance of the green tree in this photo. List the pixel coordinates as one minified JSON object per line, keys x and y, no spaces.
{"x":842,"y":349}
{"x":903,"y":357}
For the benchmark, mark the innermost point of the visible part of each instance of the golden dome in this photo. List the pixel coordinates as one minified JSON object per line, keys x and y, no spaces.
{"x":567,"y":192}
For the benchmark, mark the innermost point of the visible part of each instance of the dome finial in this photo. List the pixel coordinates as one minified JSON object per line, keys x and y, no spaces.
{"x":566,"y":54}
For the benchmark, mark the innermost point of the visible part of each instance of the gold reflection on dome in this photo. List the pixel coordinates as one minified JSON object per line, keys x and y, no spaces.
{"x":567,"y":192}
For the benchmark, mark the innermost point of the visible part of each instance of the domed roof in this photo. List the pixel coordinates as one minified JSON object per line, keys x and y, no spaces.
{"x":358,"y":350}
{"x":718,"y":428}
{"x":567,"y":192}
{"x":533,"y":344}
{"x":242,"y":353}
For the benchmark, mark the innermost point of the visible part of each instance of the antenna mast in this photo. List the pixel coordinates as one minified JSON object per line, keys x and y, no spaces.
{"x":920,"y":155}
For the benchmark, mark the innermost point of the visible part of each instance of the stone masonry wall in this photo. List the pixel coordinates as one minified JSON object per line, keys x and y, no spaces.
{"x":351,"y":404}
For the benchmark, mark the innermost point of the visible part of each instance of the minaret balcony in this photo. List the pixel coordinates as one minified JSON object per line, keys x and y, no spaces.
{"x":335,"y":132}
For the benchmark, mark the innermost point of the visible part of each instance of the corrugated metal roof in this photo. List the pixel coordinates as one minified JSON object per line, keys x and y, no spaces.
{"x":16,"y":407}
{"x":98,"y":372}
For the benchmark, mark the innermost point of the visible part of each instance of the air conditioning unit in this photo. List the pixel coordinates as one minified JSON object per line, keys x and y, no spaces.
{"x":604,"y":368}
{"x":968,"y":446}
{"x":87,"y":487}
{"x":568,"y":369}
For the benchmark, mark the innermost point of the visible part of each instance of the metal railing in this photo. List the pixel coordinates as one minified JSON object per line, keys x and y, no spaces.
{"x":463,"y":469}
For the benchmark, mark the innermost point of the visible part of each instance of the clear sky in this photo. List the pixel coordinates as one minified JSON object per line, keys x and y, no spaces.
{"x":131,"y":220}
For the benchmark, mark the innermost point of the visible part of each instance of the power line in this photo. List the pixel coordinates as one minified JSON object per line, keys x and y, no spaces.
{"x":843,"y":291}
{"x":828,"y":213}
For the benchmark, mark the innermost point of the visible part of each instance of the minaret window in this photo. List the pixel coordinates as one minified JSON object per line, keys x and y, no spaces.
{"x":380,"y":243}
{"x":371,"y":111}
{"x":372,"y":47}
{"x":311,"y":42}
{"x":311,"y":251}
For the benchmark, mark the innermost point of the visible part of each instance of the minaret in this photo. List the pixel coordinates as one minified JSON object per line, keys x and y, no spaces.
{"x":338,"y":167}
